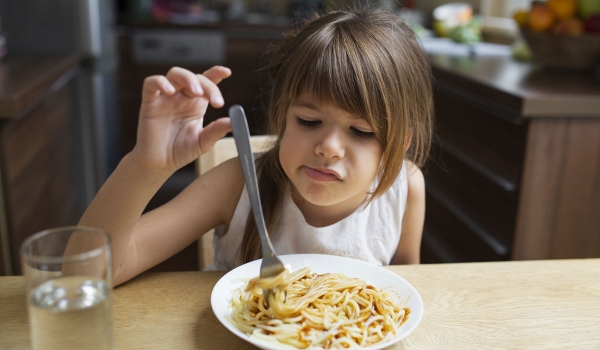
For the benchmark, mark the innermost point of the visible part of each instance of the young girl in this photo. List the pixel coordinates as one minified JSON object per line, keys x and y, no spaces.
{"x":351,"y":99}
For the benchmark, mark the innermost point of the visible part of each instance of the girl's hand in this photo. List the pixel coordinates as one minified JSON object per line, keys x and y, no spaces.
{"x":170,"y":133}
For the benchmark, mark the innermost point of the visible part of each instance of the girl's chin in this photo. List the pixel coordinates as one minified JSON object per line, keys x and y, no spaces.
{"x":318,"y":196}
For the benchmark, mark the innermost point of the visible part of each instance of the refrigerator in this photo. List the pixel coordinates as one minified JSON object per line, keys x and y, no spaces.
{"x":86,"y":28}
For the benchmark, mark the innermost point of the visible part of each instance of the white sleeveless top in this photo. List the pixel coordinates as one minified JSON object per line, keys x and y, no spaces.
{"x":370,"y":234}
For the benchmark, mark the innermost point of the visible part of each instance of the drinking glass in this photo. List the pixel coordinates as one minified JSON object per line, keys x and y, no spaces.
{"x":69,"y":288}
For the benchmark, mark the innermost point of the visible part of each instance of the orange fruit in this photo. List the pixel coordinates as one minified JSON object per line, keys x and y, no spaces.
{"x":521,"y":18}
{"x":563,"y":9}
{"x":540,"y":19}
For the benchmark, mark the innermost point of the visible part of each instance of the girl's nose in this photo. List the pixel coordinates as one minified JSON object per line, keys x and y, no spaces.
{"x":330,"y":145}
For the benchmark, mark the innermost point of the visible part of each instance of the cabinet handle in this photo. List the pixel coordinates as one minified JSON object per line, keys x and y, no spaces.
{"x":455,"y":151}
{"x":483,"y":104}
{"x":62,"y":81}
{"x":432,"y":240}
{"x":57,"y":85}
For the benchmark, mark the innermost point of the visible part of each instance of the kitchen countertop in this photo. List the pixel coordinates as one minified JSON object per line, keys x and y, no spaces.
{"x":523,"y":87}
{"x":544,"y":304}
{"x":26,"y":81}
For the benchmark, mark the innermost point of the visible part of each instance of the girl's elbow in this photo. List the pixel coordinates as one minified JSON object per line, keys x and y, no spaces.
{"x":406,"y":260}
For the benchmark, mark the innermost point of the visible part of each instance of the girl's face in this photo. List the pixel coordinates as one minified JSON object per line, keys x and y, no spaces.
{"x":330,"y":156}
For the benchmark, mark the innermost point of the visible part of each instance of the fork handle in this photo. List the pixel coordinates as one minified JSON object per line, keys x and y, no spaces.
{"x":242,"y":143}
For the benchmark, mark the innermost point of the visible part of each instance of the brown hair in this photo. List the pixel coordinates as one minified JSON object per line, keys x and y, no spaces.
{"x":367,"y":62}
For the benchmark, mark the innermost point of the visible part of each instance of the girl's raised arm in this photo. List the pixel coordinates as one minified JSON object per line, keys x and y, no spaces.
{"x":170,"y":135}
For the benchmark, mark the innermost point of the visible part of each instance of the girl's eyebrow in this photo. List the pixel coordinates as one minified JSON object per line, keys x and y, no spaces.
{"x":309,"y":105}
{"x":304,"y":104}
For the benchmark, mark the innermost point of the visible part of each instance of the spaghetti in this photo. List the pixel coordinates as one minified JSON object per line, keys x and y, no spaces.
{"x":308,"y":310}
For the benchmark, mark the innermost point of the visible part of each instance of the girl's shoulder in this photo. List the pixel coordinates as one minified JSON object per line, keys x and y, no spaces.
{"x":227,"y":172}
{"x":410,"y":179}
{"x":415,"y":179}
{"x":411,"y":169}
{"x":228,"y":176}
{"x":409,"y":172}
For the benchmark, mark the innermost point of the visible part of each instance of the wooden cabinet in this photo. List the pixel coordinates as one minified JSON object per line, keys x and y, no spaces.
{"x":509,"y":177}
{"x":474,"y":181}
{"x":3,"y":254}
{"x":36,"y":150}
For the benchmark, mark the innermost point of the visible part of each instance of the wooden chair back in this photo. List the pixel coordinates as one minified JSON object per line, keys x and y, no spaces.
{"x":223,"y":150}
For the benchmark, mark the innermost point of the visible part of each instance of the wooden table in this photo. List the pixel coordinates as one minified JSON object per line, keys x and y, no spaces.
{"x":551,"y":304}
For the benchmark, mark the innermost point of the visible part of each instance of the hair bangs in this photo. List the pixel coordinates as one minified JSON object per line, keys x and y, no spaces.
{"x":329,"y":74}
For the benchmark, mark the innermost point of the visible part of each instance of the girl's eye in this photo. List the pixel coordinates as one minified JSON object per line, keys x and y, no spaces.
{"x":361,"y":133}
{"x":308,"y":123}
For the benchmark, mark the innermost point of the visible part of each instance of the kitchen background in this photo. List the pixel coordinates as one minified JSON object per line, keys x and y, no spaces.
{"x":515,"y":171}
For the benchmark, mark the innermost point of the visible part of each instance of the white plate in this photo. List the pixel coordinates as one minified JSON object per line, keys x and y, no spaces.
{"x":377,"y":276}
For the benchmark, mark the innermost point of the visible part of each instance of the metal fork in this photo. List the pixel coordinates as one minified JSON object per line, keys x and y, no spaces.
{"x":271,"y":265}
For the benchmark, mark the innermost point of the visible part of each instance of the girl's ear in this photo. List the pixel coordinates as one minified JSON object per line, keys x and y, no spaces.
{"x":408,"y":140}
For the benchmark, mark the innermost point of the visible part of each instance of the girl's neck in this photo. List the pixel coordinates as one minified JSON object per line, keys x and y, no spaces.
{"x":322,"y":216}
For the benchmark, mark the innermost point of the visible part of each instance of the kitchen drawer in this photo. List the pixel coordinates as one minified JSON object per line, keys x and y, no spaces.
{"x":481,"y":198}
{"x":473,"y":180}
{"x":496,"y":143}
{"x":447,"y":238}
{"x":176,"y":47}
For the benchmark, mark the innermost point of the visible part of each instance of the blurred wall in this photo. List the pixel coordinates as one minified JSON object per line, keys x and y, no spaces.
{"x":36,"y":27}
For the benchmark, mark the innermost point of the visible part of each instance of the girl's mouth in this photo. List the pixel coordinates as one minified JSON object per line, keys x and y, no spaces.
{"x":320,"y":175}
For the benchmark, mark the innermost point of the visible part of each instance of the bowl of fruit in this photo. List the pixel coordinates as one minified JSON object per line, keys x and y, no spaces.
{"x":563,"y":34}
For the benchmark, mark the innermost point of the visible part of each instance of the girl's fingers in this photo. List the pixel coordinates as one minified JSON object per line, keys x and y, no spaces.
{"x":190,"y":84}
{"x":217,"y":73}
{"x":185,"y":81}
{"x":211,"y":91}
{"x":212,"y":133}
{"x":156,"y":85}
